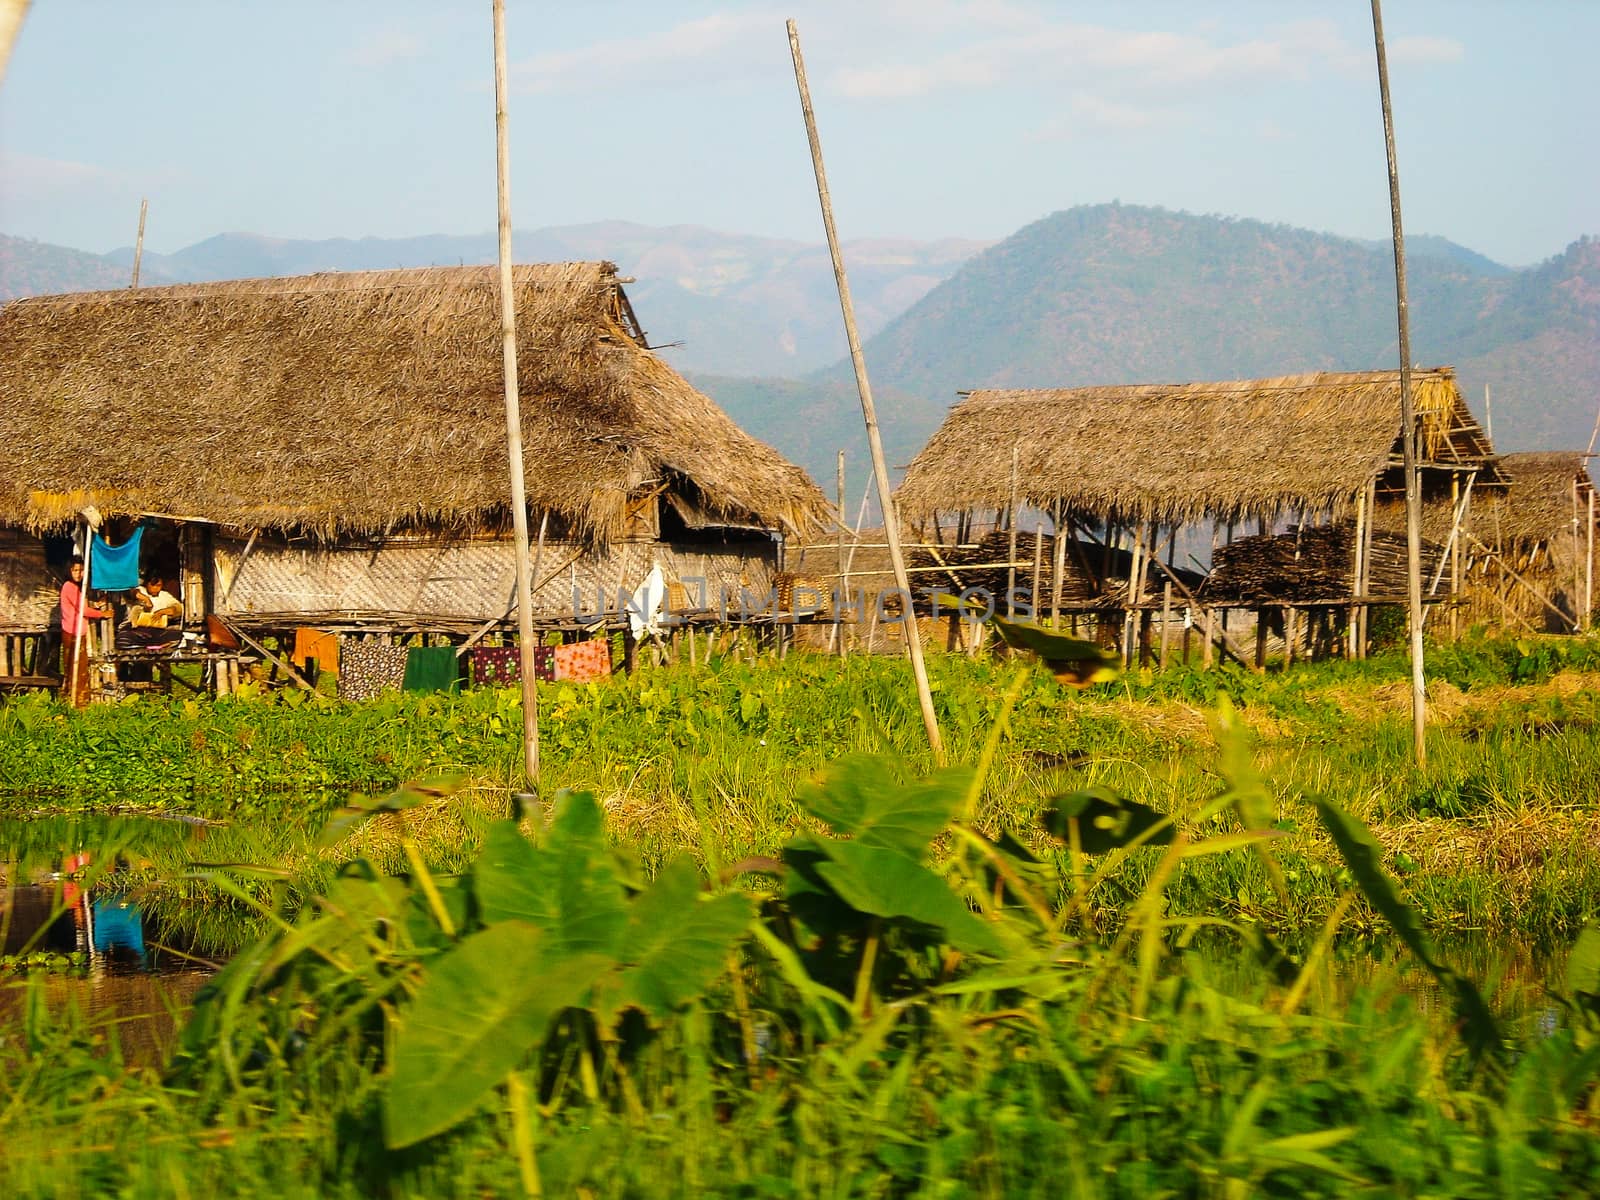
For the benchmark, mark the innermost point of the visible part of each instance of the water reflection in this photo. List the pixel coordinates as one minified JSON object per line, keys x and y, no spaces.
{"x":91,"y":957}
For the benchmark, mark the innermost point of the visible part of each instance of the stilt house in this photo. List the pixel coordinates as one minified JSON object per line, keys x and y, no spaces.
{"x":331,"y":450}
{"x":1159,"y":469}
{"x":1531,"y":550}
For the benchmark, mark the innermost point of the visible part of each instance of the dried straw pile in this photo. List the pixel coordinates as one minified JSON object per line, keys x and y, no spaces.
{"x":1546,"y":500}
{"x":363,"y":402}
{"x":1315,"y":563}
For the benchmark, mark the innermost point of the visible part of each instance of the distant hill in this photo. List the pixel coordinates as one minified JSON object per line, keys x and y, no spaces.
{"x":29,"y":268}
{"x":1100,"y":294}
{"x":1116,"y":294}
{"x":723,"y":303}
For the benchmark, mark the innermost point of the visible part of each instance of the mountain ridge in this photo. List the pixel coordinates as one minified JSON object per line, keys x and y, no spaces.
{"x":1099,"y":294}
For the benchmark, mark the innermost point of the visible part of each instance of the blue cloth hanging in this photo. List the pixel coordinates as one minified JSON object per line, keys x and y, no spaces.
{"x":115,"y":568}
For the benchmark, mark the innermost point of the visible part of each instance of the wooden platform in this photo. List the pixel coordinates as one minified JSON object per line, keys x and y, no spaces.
{"x":28,"y":683}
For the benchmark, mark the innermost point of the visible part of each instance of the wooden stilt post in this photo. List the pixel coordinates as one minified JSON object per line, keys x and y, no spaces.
{"x":1035,"y":600}
{"x":837,"y":633}
{"x":1130,"y":613}
{"x":1456,"y":507}
{"x":1419,"y":697}
{"x":1577,"y":561}
{"x":1011,"y":522}
{"x":1166,"y":618}
{"x":1208,"y":653}
{"x":1588,"y":566}
{"x":1058,"y":562}
{"x":138,"y":244}
{"x":508,"y":344}
{"x":880,"y":469}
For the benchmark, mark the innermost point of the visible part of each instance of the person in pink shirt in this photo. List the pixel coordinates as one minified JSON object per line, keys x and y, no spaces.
{"x":75,"y":615}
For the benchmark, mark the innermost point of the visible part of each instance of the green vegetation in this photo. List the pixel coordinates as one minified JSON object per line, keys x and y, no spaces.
{"x":1491,"y":835}
{"x":762,"y":946}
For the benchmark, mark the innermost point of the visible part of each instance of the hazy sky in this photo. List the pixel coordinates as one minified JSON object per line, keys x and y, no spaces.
{"x":968,"y":118}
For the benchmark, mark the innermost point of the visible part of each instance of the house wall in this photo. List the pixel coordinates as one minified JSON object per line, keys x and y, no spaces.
{"x":471,"y":578}
{"x":28,"y":590}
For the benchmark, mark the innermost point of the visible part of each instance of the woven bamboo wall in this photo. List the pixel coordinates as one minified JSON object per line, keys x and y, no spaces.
{"x":27,"y":591}
{"x":474,"y":579}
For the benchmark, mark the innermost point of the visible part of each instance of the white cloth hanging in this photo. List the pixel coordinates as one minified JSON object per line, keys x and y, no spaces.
{"x":644,"y":610}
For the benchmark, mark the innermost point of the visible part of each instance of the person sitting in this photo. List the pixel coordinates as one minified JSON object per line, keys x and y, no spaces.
{"x":155,"y":619}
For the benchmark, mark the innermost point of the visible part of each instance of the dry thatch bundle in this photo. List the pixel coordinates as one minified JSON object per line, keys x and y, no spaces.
{"x":1173,"y":453}
{"x":1546,"y":499}
{"x":364,"y":402}
{"x":1316,"y":563}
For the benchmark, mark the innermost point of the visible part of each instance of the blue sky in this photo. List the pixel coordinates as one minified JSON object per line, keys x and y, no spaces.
{"x":965,"y":118}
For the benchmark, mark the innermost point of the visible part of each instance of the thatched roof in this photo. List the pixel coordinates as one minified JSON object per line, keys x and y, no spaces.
{"x":1538,"y":504}
{"x":1181,"y":452}
{"x":362,"y":402}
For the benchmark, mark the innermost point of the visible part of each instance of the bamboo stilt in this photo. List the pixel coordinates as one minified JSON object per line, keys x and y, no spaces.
{"x":138,"y":245}
{"x":1011,"y":522}
{"x":1058,"y":562}
{"x":891,"y":522}
{"x":1588,"y":567}
{"x":1166,"y":618}
{"x":836,"y":634}
{"x":1419,"y":697}
{"x":508,"y":343}
{"x":1034,"y":598}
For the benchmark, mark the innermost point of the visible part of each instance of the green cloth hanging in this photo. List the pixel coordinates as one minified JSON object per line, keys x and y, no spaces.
{"x":431,"y":669}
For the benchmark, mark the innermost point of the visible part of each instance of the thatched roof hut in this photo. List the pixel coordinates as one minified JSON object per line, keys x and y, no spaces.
{"x":1546,"y":502}
{"x":1177,"y":453}
{"x":366,"y":402}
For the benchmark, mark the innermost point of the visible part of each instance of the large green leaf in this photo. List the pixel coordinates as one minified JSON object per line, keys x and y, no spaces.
{"x":860,"y":796}
{"x":1363,"y":854}
{"x":1583,"y":964}
{"x":888,"y":884}
{"x":675,"y":942}
{"x":480,"y":1010}
{"x":508,"y":879}
{"x":569,"y":887}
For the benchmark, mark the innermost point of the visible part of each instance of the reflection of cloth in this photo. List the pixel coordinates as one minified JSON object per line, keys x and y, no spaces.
{"x":584,"y":662}
{"x":501,"y":666}
{"x":118,"y":926}
{"x":367,"y":668}
{"x":115,"y":568}
{"x":431,"y":669}
{"x":318,"y":644}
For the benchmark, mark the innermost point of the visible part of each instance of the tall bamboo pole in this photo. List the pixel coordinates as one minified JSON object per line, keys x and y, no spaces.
{"x":1588,"y":566}
{"x":880,"y":469}
{"x":138,"y":243}
{"x":508,"y":341}
{"x":1577,"y":574}
{"x":839,"y":600}
{"x":1011,"y":524}
{"x":11,"y":14}
{"x":1419,"y":697}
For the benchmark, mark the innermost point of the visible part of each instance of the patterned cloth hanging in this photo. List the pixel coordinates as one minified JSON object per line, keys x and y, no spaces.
{"x":501,"y":666}
{"x":584,"y":662}
{"x":367,"y":668}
